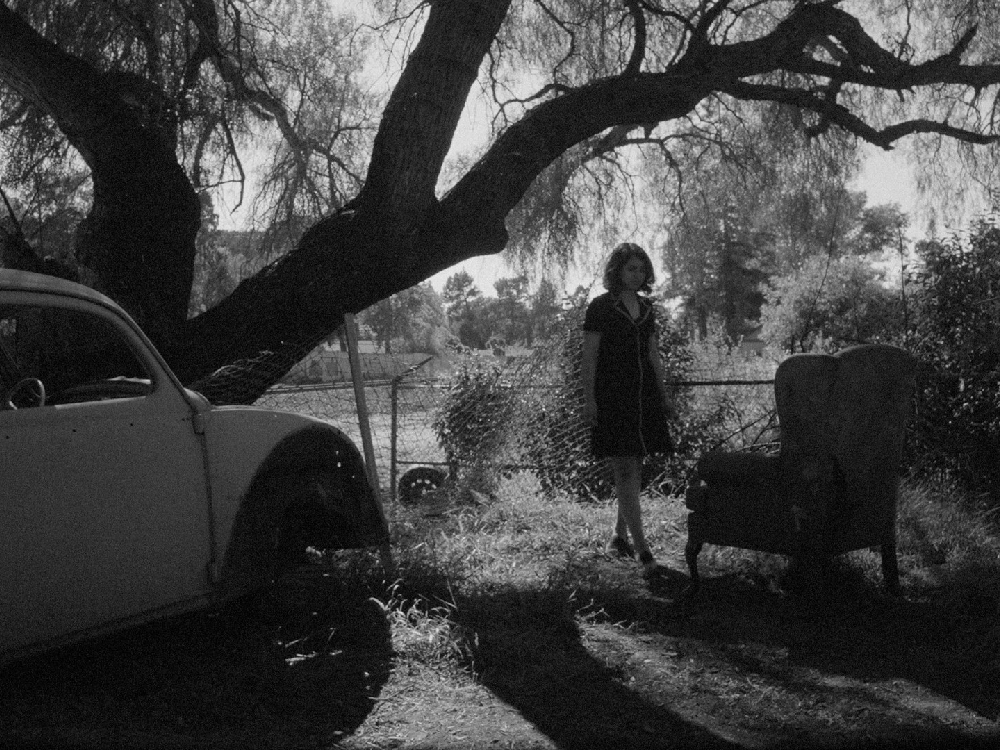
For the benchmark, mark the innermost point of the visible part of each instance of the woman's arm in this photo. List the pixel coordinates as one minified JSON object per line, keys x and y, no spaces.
{"x":661,"y":376}
{"x":588,"y":371}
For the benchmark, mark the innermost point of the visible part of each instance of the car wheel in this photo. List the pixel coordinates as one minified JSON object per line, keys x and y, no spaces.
{"x":314,"y":518}
{"x":416,"y":483}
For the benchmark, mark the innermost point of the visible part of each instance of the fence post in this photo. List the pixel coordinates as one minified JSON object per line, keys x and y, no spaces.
{"x":393,"y":434}
{"x":358,"y":377}
{"x":394,"y":423}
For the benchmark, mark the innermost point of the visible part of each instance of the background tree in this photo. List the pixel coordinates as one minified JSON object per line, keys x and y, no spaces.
{"x":717,"y":265}
{"x":513,"y":316}
{"x":830,"y":303}
{"x":476,"y":325}
{"x":410,"y":321}
{"x":159,"y":100}
{"x":466,"y":311}
{"x":756,"y":205}
{"x":459,"y":291}
{"x":545,"y":312}
{"x":881,"y":229}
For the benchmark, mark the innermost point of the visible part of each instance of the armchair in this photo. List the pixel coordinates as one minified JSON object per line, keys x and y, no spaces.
{"x":832,"y":486}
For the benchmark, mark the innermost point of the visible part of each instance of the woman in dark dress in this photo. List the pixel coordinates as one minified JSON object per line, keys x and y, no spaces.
{"x":625,"y":397}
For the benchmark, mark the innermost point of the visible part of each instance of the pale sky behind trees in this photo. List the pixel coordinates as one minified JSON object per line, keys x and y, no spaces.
{"x":885,"y":178}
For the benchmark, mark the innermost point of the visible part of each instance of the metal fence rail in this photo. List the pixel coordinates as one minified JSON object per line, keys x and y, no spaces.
{"x":403,"y":411}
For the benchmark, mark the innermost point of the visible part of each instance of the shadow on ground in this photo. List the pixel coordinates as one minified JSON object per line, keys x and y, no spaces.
{"x":534,"y":660}
{"x":741,"y":666}
{"x":855,"y":630}
{"x":237,"y":679}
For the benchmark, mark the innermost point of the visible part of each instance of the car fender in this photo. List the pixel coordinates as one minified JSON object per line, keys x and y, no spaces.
{"x":255,"y":482}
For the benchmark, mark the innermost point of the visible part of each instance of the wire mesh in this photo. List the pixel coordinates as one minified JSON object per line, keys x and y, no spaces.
{"x":496,"y":414}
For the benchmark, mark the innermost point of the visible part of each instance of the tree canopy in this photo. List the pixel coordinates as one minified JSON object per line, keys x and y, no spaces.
{"x":158,"y":103}
{"x":828,"y":304}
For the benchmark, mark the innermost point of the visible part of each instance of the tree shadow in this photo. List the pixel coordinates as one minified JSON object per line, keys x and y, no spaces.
{"x":530,"y":653}
{"x":856,"y":630}
{"x":850,"y":629}
{"x":301,"y":667}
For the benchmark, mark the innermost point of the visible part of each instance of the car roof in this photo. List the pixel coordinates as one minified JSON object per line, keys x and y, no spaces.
{"x":26,"y":281}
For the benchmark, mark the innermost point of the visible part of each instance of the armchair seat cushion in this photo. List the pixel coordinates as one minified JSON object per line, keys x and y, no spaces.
{"x":738,"y":468}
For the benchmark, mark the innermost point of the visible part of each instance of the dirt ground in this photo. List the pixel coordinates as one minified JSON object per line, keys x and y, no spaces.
{"x":735,"y":670}
{"x":745,"y":666}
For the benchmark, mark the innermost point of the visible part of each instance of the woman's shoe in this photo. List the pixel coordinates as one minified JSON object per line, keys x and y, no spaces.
{"x":621,"y":547}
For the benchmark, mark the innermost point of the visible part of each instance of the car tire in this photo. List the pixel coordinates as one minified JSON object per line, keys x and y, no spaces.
{"x":313,"y":518}
{"x":416,"y":483}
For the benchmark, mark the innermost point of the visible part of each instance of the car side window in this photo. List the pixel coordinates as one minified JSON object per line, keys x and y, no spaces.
{"x":59,"y":355}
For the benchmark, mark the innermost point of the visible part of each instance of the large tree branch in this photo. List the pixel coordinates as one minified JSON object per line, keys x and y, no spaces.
{"x":422,"y":114}
{"x":340,"y":264}
{"x":855,"y":56}
{"x":469,"y":220}
{"x":831,"y":112}
{"x":639,"y":47}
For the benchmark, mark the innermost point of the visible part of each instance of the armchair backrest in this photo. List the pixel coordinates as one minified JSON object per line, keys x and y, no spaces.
{"x":852,"y":406}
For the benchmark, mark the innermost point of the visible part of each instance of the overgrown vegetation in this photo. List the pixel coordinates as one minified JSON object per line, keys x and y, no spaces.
{"x":505,"y":619}
{"x":508,"y":588}
{"x":955,"y":333}
{"x":946,"y":311}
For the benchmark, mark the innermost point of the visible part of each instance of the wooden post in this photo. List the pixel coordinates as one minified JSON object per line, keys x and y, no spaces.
{"x":358,"y":379}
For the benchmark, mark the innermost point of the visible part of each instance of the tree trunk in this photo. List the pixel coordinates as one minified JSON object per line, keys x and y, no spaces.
{"x":138,"y":240}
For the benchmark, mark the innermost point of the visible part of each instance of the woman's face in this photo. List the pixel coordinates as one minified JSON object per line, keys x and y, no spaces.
{"x":633,"y":274}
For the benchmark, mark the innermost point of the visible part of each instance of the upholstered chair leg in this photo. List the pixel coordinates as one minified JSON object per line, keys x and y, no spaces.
{"x":890,"y":567}
{"x":691,"y":551}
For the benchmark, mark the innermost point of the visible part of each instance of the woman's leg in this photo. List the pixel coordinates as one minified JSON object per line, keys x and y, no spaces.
{"x":627,"y":472}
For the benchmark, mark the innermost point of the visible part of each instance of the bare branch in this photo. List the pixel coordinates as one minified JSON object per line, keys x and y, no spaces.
{"x":565,"y":28}
{"x":664,"y":13}
{"x":639,"y":50}
{"x":837,"y":114}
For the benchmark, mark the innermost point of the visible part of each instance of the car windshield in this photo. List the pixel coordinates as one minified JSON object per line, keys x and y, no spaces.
{"x":62,"y":347}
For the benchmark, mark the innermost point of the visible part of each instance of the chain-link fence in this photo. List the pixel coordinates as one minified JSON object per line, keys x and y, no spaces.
{"x":491,"y":414}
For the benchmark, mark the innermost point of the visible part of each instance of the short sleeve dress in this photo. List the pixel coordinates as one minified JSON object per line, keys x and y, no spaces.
{"x":630,"y":418}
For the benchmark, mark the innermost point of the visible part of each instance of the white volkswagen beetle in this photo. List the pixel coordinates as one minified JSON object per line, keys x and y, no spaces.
{"x":125,"y":497}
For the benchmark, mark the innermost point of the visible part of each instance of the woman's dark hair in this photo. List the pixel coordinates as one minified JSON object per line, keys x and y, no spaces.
{"x":616,"y":262}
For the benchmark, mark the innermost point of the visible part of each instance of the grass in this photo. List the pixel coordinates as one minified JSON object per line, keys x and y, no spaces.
{"x":949,"y":548}
{"x":504,"y":624}
{"x":517,"y":590}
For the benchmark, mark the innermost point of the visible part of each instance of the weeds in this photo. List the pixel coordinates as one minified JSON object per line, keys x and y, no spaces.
{"x":521,"y":559}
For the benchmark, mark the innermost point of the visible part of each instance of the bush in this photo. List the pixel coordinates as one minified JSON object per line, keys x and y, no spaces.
{"x":529,"y":413}
{"x":957,"y":339}
{"x":476,"y":412}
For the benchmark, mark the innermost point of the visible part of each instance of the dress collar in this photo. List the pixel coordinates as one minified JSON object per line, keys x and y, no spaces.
{"x":645,"y":309}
